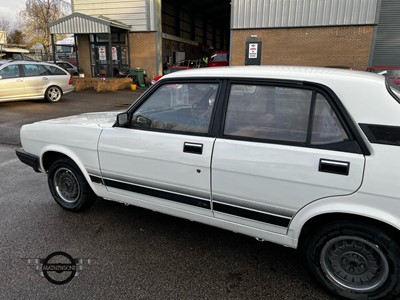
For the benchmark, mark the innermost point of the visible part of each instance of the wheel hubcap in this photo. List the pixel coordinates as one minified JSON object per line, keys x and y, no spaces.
{"x":66,"y":185}
{"x":54,"y":94}
{"x":354,"y":263}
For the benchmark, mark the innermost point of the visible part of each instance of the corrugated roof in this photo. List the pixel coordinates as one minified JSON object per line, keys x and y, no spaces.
{"x":78,"y":23}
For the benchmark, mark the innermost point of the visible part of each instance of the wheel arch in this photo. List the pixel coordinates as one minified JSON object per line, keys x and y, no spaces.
{"x":317,"y":222}
{"x":49,"y":156}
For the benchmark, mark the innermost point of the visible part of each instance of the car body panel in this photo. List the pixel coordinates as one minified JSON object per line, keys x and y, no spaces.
{"x":11,"y":88}
{"x":277,"y":180}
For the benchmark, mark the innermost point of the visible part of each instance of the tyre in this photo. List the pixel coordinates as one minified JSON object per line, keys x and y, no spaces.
{"x":53,"y":94}
{"x":355,"y":260}
{"x":69,"y":187}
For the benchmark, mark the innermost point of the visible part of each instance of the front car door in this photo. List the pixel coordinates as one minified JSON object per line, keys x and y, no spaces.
{"x":12,"y":85}
{"x":162,"y":160}
{"x":282,"y":146}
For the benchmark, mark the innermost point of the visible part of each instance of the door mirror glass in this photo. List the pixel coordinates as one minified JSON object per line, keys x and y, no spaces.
{"x":122,"y":119}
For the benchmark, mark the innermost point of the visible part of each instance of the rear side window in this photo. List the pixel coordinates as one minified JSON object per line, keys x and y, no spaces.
{"x":394,"y":90}
{"x":290,"y":115}
{"x":55,"y":70}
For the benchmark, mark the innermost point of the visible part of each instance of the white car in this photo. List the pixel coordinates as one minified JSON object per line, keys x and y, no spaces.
{"x":304,"y":157}
{"x":23,"y":80}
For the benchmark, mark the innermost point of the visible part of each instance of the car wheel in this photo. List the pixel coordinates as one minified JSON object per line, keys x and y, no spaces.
{"x":53,"y":94}
{"x":69,"y":187}
{"x":355,"y":261}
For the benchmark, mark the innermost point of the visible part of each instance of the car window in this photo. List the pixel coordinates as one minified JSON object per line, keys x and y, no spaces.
{"x":281,"y":114}
{"x":55,"y":70}
{"x":11,"y":71}
{"x":43,"y":70}
{"x":326,"y":126}
{"x":31,"y":70}
{"x":183,"y":107}
{"x":268,"y":112}
{"x":394,"y":90}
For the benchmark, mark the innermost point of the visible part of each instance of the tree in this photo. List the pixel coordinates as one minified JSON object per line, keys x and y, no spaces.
{"x":16,"y":37}
{"x":37,"y":16}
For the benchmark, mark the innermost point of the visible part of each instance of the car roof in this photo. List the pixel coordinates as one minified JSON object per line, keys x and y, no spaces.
{"x":24,"y":62}
{"x":316,"y":74}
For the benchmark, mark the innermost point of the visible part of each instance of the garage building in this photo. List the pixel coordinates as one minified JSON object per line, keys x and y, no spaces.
{"x":149,"y":33}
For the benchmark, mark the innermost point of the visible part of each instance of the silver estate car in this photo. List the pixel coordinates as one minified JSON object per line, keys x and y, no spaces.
{"x":22,"y":80}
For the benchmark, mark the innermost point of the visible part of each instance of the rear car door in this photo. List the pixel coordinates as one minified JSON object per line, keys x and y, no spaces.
{"x":163,"y":159}
{"x":37,"y":79}
{"x":282,"y":146}
{"x":12,"y":85}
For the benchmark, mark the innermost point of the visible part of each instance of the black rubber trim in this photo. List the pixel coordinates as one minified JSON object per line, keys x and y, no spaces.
{"x":96,"y":179}
{"x":157,"y":193}
{"x":250,"y":214}
{"x":382,"y":134}
{"x":28,"y":159}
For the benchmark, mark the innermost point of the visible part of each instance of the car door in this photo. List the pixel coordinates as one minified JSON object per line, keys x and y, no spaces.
{"x":281,"y":147}
{"x":162,"y":160}
{"x":36,"y":79}
{"x":12,"y":85}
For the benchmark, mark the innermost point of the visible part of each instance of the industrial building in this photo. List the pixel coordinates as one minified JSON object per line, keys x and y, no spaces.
{"x":149,"y":33}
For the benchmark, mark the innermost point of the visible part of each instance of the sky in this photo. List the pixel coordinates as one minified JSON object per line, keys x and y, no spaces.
{"x":9,"y":9}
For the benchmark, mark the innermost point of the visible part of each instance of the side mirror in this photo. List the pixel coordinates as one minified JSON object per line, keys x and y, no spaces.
{"x":122,"y":119}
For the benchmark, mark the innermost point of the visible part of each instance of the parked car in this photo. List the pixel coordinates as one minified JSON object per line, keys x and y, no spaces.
{"x":219,"y":59}
{"x":391,"y":72}
{"x":304,"y":157}
{"x":73,"y":70}
{"x":21,"y":80}
{"x":183,"y":65}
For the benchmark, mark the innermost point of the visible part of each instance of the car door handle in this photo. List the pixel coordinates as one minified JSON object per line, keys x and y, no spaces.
{"x":45,"y":78}
{"x":193,"y":148}
{"x":20,"y":80}
{"x":334,"y":166}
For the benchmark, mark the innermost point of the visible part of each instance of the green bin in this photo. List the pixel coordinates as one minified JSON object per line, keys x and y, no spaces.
{"x":139,"y":75}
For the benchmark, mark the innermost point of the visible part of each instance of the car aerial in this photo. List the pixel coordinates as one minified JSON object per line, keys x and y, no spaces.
{"x":73,"y":70}
{"x":391,"y":72}
{"x":23,"y":80}
{"x":300,"y":156}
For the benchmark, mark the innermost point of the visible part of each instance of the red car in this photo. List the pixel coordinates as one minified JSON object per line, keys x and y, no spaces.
{"x":391,"y":72}
{"x":219,"y":59}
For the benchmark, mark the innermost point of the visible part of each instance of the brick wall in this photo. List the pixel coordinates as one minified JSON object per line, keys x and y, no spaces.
{"x":84,"y":54}
{"x":313,"y":46}
{"x":143,"y":51}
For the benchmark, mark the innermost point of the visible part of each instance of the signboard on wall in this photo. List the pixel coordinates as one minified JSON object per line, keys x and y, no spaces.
{"x":102,"y":53}
{"x":253,"y":51}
